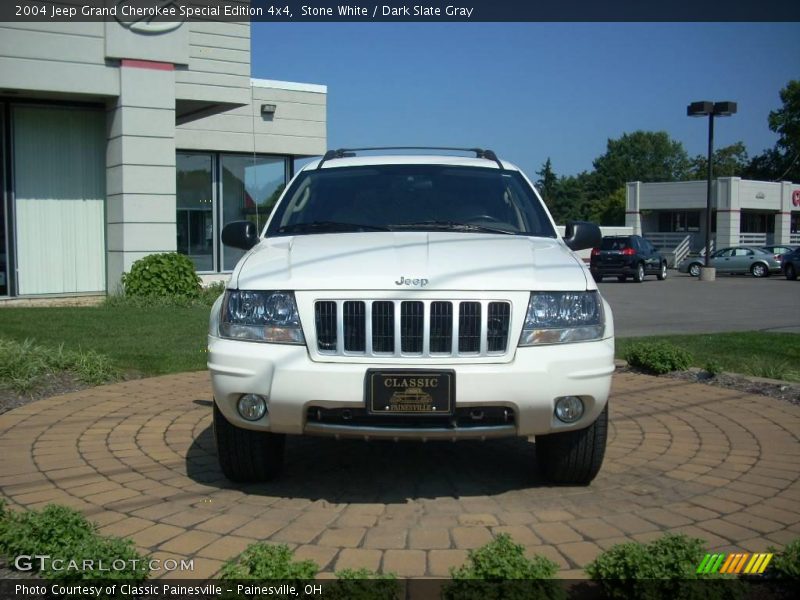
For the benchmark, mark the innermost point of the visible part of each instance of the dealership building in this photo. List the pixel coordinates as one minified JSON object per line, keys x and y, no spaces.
{"x":743,"y":212}
{"x":118,"y":140}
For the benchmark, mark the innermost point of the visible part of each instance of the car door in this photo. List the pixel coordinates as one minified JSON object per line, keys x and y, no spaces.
{"x":652,"y":262}
{"x":721,"y":260}
{"x":741,"y":260}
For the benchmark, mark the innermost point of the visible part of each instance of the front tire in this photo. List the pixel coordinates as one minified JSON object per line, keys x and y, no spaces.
{"x":573,"y":457}
{"x":662,"y":275}
{"x":638,"y":275}
{"x":759,"y":270}
{"x":245,"y":455}
{"x":694,"y":270}
{"x":790,"y":271}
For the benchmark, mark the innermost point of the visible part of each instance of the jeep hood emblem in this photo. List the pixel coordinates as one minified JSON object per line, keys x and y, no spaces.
{"x":410,"y":282}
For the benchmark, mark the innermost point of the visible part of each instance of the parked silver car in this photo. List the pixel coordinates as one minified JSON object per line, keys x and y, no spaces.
{"x":739,"y":259}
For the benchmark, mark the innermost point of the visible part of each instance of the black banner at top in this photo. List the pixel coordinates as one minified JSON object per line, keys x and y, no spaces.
{"x":399,"y":11}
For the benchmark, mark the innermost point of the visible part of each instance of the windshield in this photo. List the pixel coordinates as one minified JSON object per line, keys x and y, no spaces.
{"x":410,"y":198}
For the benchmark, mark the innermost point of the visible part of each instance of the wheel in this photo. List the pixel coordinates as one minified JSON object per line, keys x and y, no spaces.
{"x":573,"y":457}
{"x":663,"y":273}
{"x":597,"y":276}
{"x":791,"y":272}
{"x":638,"y":276}
{"x":621,"y":278}
{"x":246,"y":455}
{"x":759,"y":270}
{"x":694,"y":269}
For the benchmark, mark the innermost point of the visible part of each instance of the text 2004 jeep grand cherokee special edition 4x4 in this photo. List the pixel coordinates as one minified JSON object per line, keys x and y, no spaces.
{"x":411,"y":298}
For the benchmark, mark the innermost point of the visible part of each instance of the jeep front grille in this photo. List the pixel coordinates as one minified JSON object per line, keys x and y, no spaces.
{"x":412,"y":328}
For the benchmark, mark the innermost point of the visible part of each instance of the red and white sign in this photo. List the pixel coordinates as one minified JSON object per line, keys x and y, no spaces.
{"x":796,"y":198}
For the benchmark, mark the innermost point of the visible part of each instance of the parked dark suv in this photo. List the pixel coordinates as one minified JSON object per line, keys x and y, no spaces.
{"x":791,"y":264}
{"x":627,"y":255}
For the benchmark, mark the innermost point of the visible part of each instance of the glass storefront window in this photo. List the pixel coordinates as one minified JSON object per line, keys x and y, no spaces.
{"x":195,"y":204}
{"x":679,"y":221}
{"x":250,"y":188}
{"x":215,"y":189}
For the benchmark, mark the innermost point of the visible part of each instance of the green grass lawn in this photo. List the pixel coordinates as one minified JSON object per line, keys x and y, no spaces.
{"x":150,"y":341}
{"x":774,"y":355}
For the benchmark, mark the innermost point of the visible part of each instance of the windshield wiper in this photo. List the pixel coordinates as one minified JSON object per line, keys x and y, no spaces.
{"x":321,"y":226}
{"x":450,"y":226}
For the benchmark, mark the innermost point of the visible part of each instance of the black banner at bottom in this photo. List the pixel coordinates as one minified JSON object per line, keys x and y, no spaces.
{"x":401,"y":589}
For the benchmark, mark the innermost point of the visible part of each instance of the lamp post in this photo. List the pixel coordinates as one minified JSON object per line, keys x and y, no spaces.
{"x":712,"y":109}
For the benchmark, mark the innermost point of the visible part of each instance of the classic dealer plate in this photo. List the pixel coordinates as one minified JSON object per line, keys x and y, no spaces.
{"x":410,"y":392}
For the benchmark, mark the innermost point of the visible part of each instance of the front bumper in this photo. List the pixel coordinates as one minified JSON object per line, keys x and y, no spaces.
{"x":527,"y":387}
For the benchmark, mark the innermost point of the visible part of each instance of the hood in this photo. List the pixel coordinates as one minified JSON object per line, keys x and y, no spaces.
{"x":413,"y":260}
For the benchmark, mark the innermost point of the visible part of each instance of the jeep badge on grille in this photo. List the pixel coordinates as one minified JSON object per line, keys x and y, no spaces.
{"x":406,"y":281}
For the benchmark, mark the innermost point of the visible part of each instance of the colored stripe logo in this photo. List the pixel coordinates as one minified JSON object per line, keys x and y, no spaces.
{"x":735,"y":563}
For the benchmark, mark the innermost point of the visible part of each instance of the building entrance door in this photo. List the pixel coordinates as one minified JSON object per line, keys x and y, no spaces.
{"x":59,"y":207}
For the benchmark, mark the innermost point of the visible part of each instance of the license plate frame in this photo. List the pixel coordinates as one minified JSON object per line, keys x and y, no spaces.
{"x":402,"y":397}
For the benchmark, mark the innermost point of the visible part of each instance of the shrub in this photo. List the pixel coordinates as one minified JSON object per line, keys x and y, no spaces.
{"x":363,"y":584}
{"x":658,"y":357}
{"x":24,"y":365}
{"x":63,"y":533}
{"x":211,"y":292}
{"x":713,"y":367}
{"x":500,"y":569}
{"x":165,"y":274}
{"x":664,"y":568}
{"x":268,"y":562}
{"x":786,"y":564}
{"x":771,"y":368}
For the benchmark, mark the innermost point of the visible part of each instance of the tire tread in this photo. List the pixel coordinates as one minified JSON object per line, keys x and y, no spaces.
{"x":245,"y":455}
{"x":574,"y":457}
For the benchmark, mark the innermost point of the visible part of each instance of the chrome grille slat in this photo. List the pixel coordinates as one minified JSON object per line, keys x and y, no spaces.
{"x":469,"y":328}
{"x":382,"y":326}
{"x":412,"y":328}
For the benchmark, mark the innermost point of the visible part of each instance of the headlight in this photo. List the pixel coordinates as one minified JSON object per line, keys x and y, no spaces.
{"x":260,"y":317}
{"x":562,"y":317}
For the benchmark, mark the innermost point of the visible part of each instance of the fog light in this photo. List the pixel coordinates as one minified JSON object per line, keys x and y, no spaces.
{"x":252,"y":407}
{"x":569,"y":408}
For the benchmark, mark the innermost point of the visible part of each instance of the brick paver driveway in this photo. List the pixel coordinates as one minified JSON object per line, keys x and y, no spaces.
{"x":138,"y":458}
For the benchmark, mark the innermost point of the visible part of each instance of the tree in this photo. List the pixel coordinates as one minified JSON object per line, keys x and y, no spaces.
{"x":609,"y":210}
{"x":783,"y":161}
{"x":570,"y":198}
{"x":547,"y":183}
{"x":730,"y":161}
{"x":640,"y":156}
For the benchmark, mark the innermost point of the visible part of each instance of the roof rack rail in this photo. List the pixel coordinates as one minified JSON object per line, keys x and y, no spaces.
{"x":348,"y":152}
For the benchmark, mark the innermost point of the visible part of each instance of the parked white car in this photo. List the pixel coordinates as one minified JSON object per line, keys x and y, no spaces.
{"x":411,"y":298}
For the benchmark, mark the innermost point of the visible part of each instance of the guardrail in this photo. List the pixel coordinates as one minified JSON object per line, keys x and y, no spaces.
{"x":753,"y":239}
{"x":794,"y":239}
{"x":673,"y":245}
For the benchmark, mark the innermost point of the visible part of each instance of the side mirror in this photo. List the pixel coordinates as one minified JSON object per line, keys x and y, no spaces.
{"x":579,"y":235}
{"x":240,"y":234}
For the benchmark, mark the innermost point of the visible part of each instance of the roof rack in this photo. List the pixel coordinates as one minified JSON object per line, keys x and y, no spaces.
{"x":348,"y":152}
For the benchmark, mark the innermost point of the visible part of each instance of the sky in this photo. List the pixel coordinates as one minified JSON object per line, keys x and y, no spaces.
{"x":531,"y":91}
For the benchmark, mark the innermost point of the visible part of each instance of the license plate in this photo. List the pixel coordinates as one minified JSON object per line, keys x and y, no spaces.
{"x":410,"y":392}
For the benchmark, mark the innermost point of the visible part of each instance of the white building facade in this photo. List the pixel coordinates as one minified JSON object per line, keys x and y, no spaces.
{"x":743,"y":212}
{"x":117,"y":142}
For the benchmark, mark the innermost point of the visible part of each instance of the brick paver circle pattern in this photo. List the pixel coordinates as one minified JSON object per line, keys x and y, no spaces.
{"x":138,"y":458}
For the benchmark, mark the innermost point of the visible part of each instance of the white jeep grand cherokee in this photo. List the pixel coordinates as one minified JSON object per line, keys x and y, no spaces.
{"x":411,"y":298}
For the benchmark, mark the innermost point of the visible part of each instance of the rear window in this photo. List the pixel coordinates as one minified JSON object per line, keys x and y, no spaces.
{"x":611,"y":243}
